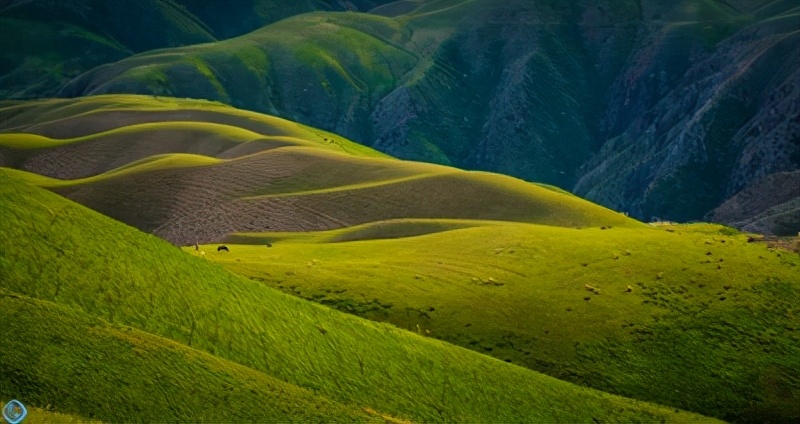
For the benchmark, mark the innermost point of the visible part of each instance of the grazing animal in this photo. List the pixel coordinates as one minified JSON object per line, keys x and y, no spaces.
{"x":221,"y":248}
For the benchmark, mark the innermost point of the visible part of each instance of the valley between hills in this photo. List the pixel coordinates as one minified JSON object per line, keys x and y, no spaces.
{"x":430,"y":212}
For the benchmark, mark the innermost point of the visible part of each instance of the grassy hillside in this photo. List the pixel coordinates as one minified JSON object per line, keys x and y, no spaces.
{"x":546,"y":91}
{"x":193,"y":198}
{"x":122,"y":118}
{"x":245,"y":172}
{"x":309,"y":68}
{"x":94,"y":273}
{"x":118,"y":370}
{"x":690,"y":316}
{"x":46,"y":43}
{"x":45,"y":416}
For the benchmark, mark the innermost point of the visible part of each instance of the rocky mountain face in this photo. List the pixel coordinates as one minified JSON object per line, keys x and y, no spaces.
{"x":661,"y":109}
{"x":770,"y":205}
{"x":683,"y":140}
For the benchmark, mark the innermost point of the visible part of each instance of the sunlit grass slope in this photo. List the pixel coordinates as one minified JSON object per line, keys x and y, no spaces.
{"x":192,"y":171}
{"x":691,"y":316}
{"x":63,"y":357}
{"x":155,"y":125}
{"x":75,"y":281}
{"x":46,"y":416}
{"x":188,"y":198}
{"x":391,"y":229}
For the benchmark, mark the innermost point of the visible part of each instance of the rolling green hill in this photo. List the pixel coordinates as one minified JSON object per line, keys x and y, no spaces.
{"x":314,"y":67}
{"x":90,"y":300}
{"x":691,"y":316}
{"x":599,"y":97}
{"x":46,"y":43}
{"x":395,"y":277}
{"x":187,"y":181}
{"x":118,"y":370}
{"x":189,"y":170}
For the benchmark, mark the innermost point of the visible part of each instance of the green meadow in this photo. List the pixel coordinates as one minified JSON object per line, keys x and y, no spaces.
{"x":691,"y":316}
{"x":385,"y":290}
{"x":116,"y":325}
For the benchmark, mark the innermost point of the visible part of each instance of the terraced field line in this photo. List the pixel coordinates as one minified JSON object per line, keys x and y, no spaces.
{"x":351,"y":187}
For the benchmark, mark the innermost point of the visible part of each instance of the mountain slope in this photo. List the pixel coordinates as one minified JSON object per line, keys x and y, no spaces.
{"x":313,"y":68}
{"x":768,"y":206}
{"x":728,"y":121}
{"x":139,"y":281}
{"x":188,"y":181}
{"x":46,"y":43}
{"x":625,"y":102}
{"x":119,"y":369}
{"x":692,"y":316}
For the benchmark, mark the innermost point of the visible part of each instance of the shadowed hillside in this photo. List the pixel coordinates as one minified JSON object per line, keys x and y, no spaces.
{"x":153,"y":167}
{"x":320,"y":68}
{"x":626,"y":102}
{"x":768,"y":206}
{"x":46,"y":43}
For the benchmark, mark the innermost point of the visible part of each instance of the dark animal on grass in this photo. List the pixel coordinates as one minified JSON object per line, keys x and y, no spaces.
{"x":221,"y":248}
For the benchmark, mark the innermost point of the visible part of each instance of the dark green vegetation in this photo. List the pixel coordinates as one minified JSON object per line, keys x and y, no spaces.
{"x":46,"y":43}
{"x":112,"y":324}
{"x":149,"y":163}
{"x":689,"y":316}
{"x":628,"y":103}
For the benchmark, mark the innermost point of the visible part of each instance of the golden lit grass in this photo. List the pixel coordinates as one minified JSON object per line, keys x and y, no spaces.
{"x":289,"y":188}
{"x":397,"y":228}
{"x":72,"y":270}
{"x":152,"y":163}
{"x":692,"y":316}
{"x":84,"y":119}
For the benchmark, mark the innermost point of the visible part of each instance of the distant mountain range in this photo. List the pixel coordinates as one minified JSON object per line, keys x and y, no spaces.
{"x":665,"y":110}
